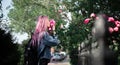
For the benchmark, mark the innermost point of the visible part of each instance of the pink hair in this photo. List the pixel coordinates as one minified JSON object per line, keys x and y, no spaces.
{"x":41,"y":27}
{"x":41,"y":24}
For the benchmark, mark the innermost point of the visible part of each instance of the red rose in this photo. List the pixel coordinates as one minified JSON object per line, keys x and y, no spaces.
{"x":117,"y":23}
{"x":86,"y":21}
{"x":111,"y":29}
{"x":111,"y":19}
{"x":116,"y":29}
{"x":52,"y":22}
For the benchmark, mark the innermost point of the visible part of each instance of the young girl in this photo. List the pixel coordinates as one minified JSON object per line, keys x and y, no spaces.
{"x":46,"y":41}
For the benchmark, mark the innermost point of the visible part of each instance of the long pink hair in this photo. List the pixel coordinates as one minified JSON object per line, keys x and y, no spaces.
{"x":41,"y":27}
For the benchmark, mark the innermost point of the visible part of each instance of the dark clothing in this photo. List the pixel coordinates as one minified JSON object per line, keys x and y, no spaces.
{"x":44,"y":47}
{"x":30,"y":55}
{"x":44,"y":61}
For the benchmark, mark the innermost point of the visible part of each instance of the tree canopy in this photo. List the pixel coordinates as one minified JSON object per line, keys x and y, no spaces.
{"x":25,"y":13}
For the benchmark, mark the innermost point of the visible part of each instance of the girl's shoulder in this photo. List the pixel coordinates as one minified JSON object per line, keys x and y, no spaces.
{"x":45,"y":34}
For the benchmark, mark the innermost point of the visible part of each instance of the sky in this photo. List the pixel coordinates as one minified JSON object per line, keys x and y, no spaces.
{"x":6,"y":6}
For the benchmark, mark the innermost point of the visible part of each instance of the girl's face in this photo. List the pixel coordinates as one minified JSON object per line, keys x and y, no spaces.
{"x":48,"y":24}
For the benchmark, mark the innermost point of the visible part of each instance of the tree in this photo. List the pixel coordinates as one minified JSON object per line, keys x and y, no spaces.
{"x":9,"y":50}
{"x":10,"y":54}
{"x":1,"y":13}
{"x":24,"y":14}
{"x":22,"y":51}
